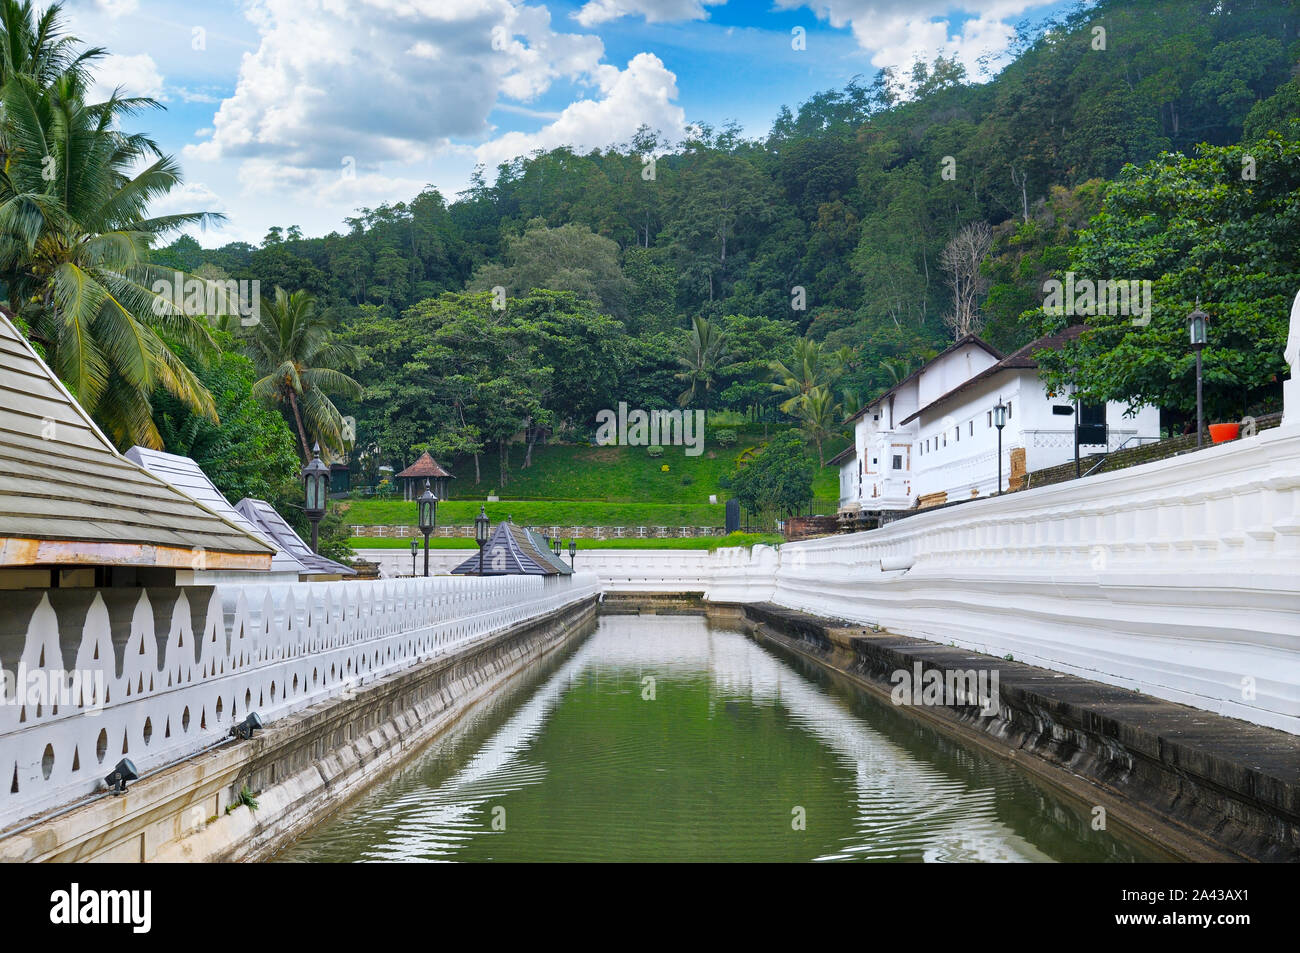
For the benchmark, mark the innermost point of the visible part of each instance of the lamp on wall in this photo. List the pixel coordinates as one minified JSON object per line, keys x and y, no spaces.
{"x":415,"y":547}
{"x":573,"y":551}
{"x":246,"y":727}
{"x":124,"y":771}
{"x":1000,"y":421}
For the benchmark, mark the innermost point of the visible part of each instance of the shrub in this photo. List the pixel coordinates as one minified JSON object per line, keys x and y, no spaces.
{"x":726,"y":438}
{"x":655,"y":451}
{"x":687,"y":479}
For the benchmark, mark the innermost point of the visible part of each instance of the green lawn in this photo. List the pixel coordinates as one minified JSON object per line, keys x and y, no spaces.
{"x":697,"y":542}
{"x":579,"y":485}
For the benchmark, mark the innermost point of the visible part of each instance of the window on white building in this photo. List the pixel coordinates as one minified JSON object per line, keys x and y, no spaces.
{"x":990,"y":418}
{"x":898,"y":461}
{"x":972,"y":427}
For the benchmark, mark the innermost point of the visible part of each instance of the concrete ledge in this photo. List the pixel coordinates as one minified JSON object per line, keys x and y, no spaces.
{"x":1200,"y":785}
{"x":301,"y":768}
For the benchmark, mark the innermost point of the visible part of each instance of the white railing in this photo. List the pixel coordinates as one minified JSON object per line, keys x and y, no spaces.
{"x":156,"y":675}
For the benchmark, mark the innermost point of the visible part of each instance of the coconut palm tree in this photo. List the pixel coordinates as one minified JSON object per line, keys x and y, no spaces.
{"x":701,"y":356}
{"x":75,"y":240}
{"x":299,"y":364}
{"x":34,"y":45}
{"x":819,"y":418}
{"x":809,"y":368}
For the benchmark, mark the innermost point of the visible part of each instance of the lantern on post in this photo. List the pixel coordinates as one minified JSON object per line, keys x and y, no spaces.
{"x":1198,"y":327}
{"x":573,"y":549}
{"x":1000,"y":421}
{"x":315,"y":483}
{"x":415,"y":547}
{"x":481,"y":526}
{"x":428,"y":518}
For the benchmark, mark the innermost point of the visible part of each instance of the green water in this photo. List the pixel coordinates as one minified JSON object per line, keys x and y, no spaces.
{"x":669,"y":739}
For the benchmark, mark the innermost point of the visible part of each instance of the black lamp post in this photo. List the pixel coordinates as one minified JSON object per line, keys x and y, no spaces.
{"x":1198,"y":323}
{"x":315,"y":477}
{"x":1000,"y":421}
{"x":415,"y":546}
{"x":481,"y":524}
{"x":573,"y":549}
{"x":428,"y":516}
{"x":555,"y":547}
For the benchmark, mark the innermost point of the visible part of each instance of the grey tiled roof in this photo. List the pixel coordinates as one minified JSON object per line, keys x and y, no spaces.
{"x":273,"y":526}
{"x":186,"y":475}
{"x":67,"y":496}
{"x":513,"y":551}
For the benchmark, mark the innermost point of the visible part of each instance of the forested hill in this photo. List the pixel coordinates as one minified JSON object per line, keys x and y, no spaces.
{"x":839,"y":228}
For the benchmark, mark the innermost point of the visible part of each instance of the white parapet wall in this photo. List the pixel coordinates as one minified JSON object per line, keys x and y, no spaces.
{"x":156,"y":675}
{"x":1179,"y":578}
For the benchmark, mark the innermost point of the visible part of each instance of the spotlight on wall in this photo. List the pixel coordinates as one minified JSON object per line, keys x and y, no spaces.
{"x":123,"y":772}
{"x":246,"y":727}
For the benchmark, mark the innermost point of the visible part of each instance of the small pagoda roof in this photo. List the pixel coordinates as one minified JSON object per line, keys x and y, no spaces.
{"x":426,"y":467}
{"x":514,"y":550}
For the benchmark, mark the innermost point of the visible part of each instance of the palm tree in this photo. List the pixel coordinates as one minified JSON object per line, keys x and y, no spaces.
{"x":35,"y":45}
{"x":700,"y":358}
{"x":299,"y":367}
{"x":75,"y":240}
{"x":819,"y":418}
{"x":810,"y":368}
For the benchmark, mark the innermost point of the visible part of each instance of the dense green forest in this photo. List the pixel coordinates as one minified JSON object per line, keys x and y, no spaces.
{"x":780,"y":280}
{"x":848,"y":228}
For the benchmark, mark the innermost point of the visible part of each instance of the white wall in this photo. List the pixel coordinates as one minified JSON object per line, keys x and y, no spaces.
{"x":181,"y":666}
{"x":1179,"y":578}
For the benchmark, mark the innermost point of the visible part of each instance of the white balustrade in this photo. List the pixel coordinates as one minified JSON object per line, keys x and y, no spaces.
{"x":156,"y":675}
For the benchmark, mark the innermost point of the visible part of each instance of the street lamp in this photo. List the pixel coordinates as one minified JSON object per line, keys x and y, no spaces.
{"x":314,"y":481}
{"x":1198,"y":324}
{"x":428,"y":516}
{"x":573,"y":549}
{"x":1000,"y":421}
{"x":555,"y":547}
{"x":481,"y":524}
{"x":415,"y":546}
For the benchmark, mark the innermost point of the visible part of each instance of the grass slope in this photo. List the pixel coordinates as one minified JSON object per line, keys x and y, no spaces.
{"x":698,"y":542}
{"x":581,"y":485}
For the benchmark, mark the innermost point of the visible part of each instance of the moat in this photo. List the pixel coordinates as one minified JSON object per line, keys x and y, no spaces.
{"x":673,"y":739}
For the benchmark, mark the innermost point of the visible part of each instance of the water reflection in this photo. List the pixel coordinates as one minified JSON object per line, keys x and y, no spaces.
{"x":664,"y":738}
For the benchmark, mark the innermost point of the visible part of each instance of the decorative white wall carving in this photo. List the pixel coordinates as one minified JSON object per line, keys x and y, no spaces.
{"x":181,"y":666}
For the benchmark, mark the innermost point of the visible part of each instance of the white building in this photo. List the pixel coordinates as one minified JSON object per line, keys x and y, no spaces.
{"x":932,"y":434}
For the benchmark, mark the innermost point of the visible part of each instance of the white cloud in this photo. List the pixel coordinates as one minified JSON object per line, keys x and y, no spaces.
{"x":386,"y":80}
{"x":899,"y":32}
{"x":134,"y":75}
{"x":117,"y":8}
{"x":645,"y":92}
{"x":654,"y":11}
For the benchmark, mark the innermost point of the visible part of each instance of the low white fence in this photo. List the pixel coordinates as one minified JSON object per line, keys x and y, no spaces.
{"x":156,"y":675}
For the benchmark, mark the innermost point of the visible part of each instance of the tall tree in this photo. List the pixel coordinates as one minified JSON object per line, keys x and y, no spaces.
{"x":301,"y":366}
{"x":75,"y":239}
{"x":700,"y":358}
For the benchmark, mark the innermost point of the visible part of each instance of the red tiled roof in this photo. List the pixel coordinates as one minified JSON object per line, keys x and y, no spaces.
{"x":426,"y":466}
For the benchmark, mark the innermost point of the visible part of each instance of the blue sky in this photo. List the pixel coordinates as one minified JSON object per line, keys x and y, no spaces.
{"x":301,"y":111}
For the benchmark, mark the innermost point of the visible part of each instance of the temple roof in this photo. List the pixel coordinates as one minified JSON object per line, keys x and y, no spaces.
{"x":513,"y":551}
{"x":67,"y":497}
{"x":426,"y":467}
